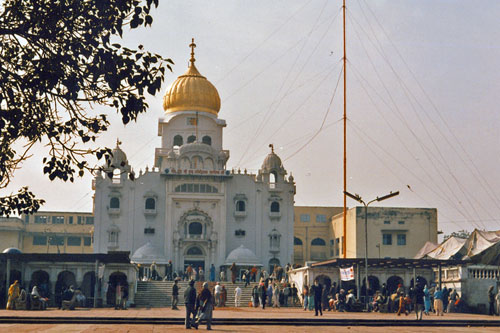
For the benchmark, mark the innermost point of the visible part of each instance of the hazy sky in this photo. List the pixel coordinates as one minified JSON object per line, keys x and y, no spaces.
{"x":423,"y":92}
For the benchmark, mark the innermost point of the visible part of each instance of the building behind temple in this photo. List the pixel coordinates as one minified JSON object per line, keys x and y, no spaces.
{"x":189,"y":208}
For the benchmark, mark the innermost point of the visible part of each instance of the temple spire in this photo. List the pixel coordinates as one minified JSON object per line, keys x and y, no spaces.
{"x":192,"y":46}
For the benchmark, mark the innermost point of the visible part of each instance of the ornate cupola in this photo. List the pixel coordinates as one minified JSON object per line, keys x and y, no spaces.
{"x":192,"y":92}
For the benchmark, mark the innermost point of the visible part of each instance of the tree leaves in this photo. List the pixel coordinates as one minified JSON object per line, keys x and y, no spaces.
{"x":57,"y":62}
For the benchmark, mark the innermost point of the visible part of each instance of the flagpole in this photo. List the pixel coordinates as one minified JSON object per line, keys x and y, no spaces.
{"x":344,"y":243}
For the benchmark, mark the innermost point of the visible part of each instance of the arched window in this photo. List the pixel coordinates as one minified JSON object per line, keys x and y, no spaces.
{"x":114,"y":202}
{"x":240,"y":206}
{"x":275,"y":207}
{"x":150,"y":204}
{"x":297,"y":241}
{"x":116,"y":176}
{"x":191,"y":139}
{"x":207,"y":140}
{"x":194,"y":251}
{"x":195,"y":228}
{"x":178,"y":140}
{"x":272,"y":177}
{"x":318,"y":242}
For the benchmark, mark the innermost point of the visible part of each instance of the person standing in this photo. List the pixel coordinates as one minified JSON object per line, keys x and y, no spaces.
{"x":438,"y":301}
{"x":190,"y":302}
{"x":317,"y":291}
{"x":212,"y":273}
{"x":234,"y":270}
{"x":201,"y":274}
{"x":491,"y":300}
{"x":276,"y":295}
{"x":14,"y":292}
{"x":223,"y":296}
{"x":262,"y":295}
{"x":237,"y":296}
{"x":419,"y":301}
{"x":175,"y":295}
{"x":217,"y":294}
{"x":255,"y":296}
{"x":169,"y":271}
{"x":205,"y":307}
{"x":247,"y":278}
{"x":427,"y":300}
{"x":305,"y":296}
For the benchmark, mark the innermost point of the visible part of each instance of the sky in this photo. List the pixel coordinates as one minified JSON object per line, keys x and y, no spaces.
{"x":423,"y":82}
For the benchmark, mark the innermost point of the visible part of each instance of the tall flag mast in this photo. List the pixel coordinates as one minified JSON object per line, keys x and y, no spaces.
{"x":344,"y":247}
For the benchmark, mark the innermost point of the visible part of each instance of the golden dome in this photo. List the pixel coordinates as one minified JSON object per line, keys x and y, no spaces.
{"x":192,"y":92}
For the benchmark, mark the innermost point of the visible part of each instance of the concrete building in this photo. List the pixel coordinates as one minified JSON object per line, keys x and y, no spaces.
{"x":189,"y":208}
{"x":48,"y":232}
{"x":392,"y":232}
{"x":311,"y":229}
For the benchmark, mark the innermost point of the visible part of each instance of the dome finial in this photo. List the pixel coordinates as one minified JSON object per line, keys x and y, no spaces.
{"x":272,"y":147}
{"x":192,"y":46}
{"x":118,"y":142}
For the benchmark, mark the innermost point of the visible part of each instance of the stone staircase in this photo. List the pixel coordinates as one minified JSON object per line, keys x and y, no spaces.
{"x":159,"y":293}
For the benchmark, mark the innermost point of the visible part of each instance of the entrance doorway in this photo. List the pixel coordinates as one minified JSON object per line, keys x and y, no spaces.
{"x":194,"y":264}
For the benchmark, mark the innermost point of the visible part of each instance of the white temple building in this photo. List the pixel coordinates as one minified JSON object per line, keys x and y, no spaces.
{"x":189,"y":208}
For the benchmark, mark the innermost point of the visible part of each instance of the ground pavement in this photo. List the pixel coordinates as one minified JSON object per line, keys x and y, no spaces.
{"x":230,"y":313}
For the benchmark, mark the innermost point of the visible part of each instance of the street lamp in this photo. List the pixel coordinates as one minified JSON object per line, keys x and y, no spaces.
{"x":358,"y":199}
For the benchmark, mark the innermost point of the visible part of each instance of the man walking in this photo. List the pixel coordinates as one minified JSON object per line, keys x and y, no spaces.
{"x":317,"y":291}
{"x":237,"y":297}
{"x":205,"y":307}
{"x":190,"y":302}
{"x":175,"y":295}
{"x":491,"y":300}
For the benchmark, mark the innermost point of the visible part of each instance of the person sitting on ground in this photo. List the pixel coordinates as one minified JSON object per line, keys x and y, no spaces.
{"x":350,"y":300}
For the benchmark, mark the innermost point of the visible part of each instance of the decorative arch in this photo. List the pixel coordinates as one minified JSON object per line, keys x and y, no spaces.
{"x":209,"y":164}
{"x":207,"y":140}
{"x":197,"y":162}
{"x":194,"y":251}
{"x":275,"y":207}
{"x":318,"y":242}
{"x":195,"y":228}
{"x":114,"y":202}
{"x":195,"y":216}
{"x":178,"y":141}
{"x":150,"y":204}
{"x":297,"y":241}
{"x":191,"y":139}
{"x":392,"y":283}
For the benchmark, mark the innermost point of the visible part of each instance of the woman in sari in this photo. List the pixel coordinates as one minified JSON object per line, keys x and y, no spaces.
{"x":14,"y":292}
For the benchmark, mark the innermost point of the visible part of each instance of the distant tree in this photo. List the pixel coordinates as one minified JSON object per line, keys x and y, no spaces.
{"x":459,"y":234}
{"x":58,"y":60}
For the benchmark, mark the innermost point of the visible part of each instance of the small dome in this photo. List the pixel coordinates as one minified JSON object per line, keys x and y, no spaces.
{"x":272,"y":162}
{"x":119,"y":158}
{"x":12,"y":250}
{"x":191,"y":92}
{"x":147,"y":254}
{"x":242,"y":257}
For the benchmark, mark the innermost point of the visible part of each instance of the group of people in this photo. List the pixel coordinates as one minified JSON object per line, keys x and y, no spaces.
{"x":274,"y":293}
{"x":17,"y":295}
{"x":199,"y":306}
{"x":328,"y":297}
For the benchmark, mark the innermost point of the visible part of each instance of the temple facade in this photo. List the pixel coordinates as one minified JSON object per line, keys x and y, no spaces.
{"x":189,"y":208}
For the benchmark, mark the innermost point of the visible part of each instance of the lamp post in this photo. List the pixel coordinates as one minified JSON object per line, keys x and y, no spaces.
{"x":358,"y":199}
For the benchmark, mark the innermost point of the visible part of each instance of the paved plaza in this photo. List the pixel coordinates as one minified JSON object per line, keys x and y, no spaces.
{"x":226,"y":313}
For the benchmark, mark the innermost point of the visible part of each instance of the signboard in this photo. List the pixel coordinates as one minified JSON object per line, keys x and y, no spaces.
{"x":347,"y":274}
{"x":197,"y":172}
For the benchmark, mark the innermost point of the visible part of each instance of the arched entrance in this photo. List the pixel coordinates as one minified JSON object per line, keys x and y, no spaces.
{"x":115,"y":279}
{"x":15,"y":275}
{"x":272,"y":262}
{"x":374,"y":285}
{"x":194,"y":256}
{"x":65,"y":279}
{"x":420,"y":280}
{"x":324,"y":280}
{"x":41,"y":279}
{"x":88,"y":286}
{"x":393,"y":282}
